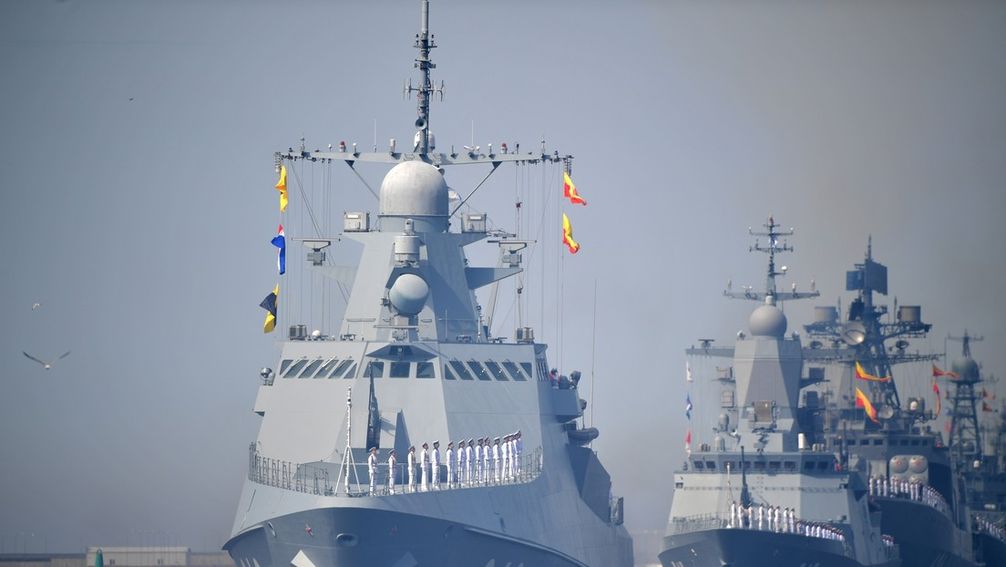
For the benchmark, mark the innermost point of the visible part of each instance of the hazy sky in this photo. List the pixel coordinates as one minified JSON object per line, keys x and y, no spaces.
{"x":136,"y":158}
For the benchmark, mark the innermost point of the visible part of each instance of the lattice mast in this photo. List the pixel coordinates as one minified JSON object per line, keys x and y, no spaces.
{"x":965,"y":434}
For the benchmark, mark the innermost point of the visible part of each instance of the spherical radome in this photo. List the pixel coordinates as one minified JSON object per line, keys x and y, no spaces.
{"x":408,"y":294}
{"x":414,"y":188}
{"x":767,"y":321}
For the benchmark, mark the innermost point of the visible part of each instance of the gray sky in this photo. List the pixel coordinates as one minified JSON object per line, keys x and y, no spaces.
{"x":136,"y":154}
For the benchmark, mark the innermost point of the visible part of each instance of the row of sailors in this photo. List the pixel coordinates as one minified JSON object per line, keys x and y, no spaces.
{"x":488,"y":462}
{"x":987,"y":526}
{"x":778,"y":519}
{"x":911,"y":489}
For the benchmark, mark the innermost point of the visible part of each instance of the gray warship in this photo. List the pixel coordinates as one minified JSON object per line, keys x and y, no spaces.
{"x":413,"y":361}
{"x":761,"y":494}
{"x":978,"y":450}
{"x":913,"y":478}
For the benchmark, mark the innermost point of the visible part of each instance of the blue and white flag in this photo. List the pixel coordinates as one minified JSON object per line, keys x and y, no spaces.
{"x":688,"y":406}
{"x":279,"y":241}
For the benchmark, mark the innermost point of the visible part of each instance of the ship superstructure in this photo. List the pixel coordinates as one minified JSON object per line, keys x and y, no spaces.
{"x":854,"y":409}
{"x":760,"y":495}
{"x":413,"y":361}
{"x":978,"y":450}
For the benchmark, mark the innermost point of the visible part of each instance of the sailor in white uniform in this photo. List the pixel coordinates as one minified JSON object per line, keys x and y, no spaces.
{"x":479,"y":472}
{"x":411,"y":463}
{"x":449,"y":460}
{"x":505,"y":456}
{"x":372,"y":469}
{"x":469,"y":463}
{"x":435,"y":465}
{"x":392,"y":462}
{"x":496,"y":460}
{"x":518,"y":445}
{"x":485,"y":462}
{"x":424,"y":468}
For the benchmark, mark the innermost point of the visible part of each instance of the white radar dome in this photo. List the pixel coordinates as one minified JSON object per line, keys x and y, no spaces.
{"x":767,"y":321}
{"x":414,"y":188}
{"x":408,"y":294}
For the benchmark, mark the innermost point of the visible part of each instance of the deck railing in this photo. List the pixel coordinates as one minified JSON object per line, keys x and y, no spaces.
{"x":328,"y":479}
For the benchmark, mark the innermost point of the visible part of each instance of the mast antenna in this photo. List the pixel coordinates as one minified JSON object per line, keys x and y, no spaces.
{"x":425,"y":90}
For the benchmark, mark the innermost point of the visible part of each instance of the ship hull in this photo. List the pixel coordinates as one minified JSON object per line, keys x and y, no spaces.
{"x":359,"y":537}
{"x":926,"y":537}
{"x":753,"y":548}
{"x":991,"y":551}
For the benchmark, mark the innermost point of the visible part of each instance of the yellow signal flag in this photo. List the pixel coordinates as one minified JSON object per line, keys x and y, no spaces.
{"x":567,"y":235}
{"x":281,"y":187}
{"x":569,"y":190}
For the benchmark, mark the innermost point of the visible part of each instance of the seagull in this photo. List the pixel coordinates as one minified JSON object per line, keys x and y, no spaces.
{"x":46,"y":365}
{"x":35,"y":305}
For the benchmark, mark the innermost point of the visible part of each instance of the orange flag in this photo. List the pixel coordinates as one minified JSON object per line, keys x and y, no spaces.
{"x":863,"y":375}
{"x":937,"y":372}
{"x":569,"y":191}
{"x":281,"y":187}
{"x":864,"y":402}
{"x":567,"y":235}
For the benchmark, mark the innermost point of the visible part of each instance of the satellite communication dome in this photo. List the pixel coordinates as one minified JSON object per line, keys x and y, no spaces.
{"x":966,"y":368}
{"x":899,"y":464}
{"x":414,"y":189}
{"x":767,"y":321}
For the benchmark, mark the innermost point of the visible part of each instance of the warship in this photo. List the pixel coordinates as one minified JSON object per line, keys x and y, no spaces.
{"x":854,"y":409}
{"x":336,"y":476}
{"x":980,"y":461}
{"x":761,"y":494}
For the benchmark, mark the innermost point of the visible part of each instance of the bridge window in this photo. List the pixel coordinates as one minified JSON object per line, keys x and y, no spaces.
{"x":514,"y":371}
{"x":790,"y":466}
{"x":774,"y":466}
{"x":351,"y":373}
{"x":479,"y":370}
{"x":326,"y":368}
{"x":497,"y":371}
{"x":309,"y":371}
{"x":293,"y":370}
{"x":284,"y":365}
{"x":699,"y":465}
{"x":461,"y":370}
{"x":448,"y":375}
{"x":808,"y":465}
{"x":374,"y":368}
{"x":399,"y":370}
{"x":711,"y":465}
{"x":424,"y":370}
{"x":340,"y":368}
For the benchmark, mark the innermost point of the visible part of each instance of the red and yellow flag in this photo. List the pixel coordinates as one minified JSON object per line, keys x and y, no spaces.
{"x":864,"y":402}
{"x":863,"y":375}
{"x":569,"y":190}
{"x":937,"y":372}
{"x":281,"y":187}
{"x":567,"y":235}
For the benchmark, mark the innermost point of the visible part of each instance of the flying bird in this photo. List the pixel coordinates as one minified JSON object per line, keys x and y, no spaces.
{"x":46,"y":365}
{"x":35,"y":305}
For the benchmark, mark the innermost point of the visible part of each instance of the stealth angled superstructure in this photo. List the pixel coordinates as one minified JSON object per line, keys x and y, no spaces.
{"x":759,"y":495}
{"x":413,"y":361}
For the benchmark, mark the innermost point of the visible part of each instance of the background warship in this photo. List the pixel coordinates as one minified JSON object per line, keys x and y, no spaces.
{"x":785,"y":501}
{"x":913,"y":479}
{"x":413,"y":362}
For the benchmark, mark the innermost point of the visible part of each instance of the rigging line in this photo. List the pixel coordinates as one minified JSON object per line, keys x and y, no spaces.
{"x":307,"y":204}
{"x":364,"y":181}
{"x":496,"y":164}
{"x":593,"y":358}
